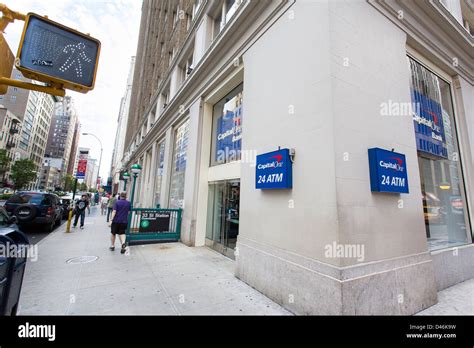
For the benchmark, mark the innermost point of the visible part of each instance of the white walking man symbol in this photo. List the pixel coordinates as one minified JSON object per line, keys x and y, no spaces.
{"x":76,"y":56}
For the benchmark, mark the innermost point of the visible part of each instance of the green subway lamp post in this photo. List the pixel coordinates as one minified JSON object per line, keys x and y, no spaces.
{"x":126,"y":177}
{"x":136,"y":169}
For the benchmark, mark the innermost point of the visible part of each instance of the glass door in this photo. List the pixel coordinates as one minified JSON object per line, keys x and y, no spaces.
{"x":223,"y":216}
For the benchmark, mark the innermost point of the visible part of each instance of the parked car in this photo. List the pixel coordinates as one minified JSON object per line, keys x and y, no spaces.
{"x":7,"y":222}
{"x":35,"y":209}
{"x":66,"y":202}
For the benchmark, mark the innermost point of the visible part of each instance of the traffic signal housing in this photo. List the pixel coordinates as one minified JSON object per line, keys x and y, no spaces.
{"x":57,"y":55}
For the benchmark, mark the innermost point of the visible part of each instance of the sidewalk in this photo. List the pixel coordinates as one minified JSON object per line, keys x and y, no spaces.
{"x":158,"y":279}
{"x":456,"y":300}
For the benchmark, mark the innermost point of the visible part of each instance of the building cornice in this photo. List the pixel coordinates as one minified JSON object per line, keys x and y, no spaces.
{"x":432,"y":30}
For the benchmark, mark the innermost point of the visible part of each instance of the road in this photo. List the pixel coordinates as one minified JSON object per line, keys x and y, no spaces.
{"x":36,"y":234}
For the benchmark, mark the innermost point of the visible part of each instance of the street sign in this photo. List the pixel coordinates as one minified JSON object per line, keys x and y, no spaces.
{"x":274,"y":170}
{"x":81,"y":169}
{"x":6,"y":62}
{"x":388,"y":171}
{"x":82,"y":164}
{"x":154,"y":222}
{"x":55,"y":54}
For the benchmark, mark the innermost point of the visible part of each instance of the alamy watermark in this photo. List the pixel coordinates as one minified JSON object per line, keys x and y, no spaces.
{"x":230,"y":155}
{"x":19,"y":251}
{"x":393,"y":108}
{"x":349,"y":251}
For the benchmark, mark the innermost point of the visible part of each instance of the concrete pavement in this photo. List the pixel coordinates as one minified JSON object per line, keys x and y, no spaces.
{"x":158,"y":279}
{"x":456,"y":300}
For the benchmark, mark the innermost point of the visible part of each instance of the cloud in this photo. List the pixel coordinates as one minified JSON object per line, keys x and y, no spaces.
{"x":116,"y":25}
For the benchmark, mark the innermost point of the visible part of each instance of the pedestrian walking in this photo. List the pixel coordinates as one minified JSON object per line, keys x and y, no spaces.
{"x":119,"y":221}
{"x":110,"y":205}
{"x":89,"y":200}
{"x":80,"y":211}
{"x":103,"y":205}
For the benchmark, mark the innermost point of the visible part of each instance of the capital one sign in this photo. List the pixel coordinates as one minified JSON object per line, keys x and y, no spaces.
{"x":388,"y":171}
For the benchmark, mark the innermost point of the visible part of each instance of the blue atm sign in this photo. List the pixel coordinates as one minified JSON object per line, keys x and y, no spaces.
{"x":274,"y":170}
{"x":388,"y":171}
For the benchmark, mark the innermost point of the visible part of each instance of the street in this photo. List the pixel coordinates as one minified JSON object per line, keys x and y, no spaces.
{"x":35,"y":235}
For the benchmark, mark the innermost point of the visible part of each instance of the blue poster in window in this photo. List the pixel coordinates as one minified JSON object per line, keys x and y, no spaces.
{"x":388,"y":171}
{"x":229,"y":131}
{"x":274,"y":170}
{"x":429,"y":126}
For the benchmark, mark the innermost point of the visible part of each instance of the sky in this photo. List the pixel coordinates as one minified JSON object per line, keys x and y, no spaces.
{"x":116,"y":24}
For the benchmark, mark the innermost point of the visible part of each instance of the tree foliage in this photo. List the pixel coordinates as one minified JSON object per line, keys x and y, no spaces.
{"x":68,"y":182}
{"x":83,"y":187}
{"x":4,"y":162}
{"x":23,"y":172}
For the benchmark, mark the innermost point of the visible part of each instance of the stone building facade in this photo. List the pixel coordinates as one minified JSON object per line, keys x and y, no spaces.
{"x":315,"y":77}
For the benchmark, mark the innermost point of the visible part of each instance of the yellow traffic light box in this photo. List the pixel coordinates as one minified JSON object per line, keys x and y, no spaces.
{"x":57,"y":55}
{"x":6,"y":62}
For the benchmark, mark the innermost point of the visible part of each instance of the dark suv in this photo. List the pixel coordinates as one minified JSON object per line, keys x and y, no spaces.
{"x":35,"y":208}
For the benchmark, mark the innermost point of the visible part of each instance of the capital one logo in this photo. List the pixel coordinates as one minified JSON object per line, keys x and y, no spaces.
{"x":273,"y":162}
{"x":436,"y":120}
{"x":396,"y":165}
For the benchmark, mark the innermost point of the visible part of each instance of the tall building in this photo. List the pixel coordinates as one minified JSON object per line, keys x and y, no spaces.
{"x":40,"y":130}
{"x":50,"y":178}
{"x":34,"y":110}
{"x":120,"y":133}
{"x":91,"y":173}
{"x":62,"y":132}
{"x":74,"y":148}
{"x":10,"y":126}
{"x":23,"y":104}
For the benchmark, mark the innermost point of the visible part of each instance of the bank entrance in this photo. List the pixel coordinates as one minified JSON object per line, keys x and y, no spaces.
{"x":223,"y":207}
{"x":223,"y":216}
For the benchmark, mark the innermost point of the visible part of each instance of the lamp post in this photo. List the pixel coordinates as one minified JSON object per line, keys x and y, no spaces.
{"x":100,"y":160}
{"x":126,"y":177}
{"x":136,"y":169}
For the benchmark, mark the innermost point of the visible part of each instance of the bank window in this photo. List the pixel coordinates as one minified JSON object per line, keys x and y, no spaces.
{"x":160,"y":172}
{"x":444,"y":200}
{"x":227,"y":128}
{"x":178,"y":168}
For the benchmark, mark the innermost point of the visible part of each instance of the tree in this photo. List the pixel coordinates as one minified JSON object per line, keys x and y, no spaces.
{"x":23,"y":172}
{"x":4,"y":163}
{"x":68,"y":182}
{"x":83,"y":187}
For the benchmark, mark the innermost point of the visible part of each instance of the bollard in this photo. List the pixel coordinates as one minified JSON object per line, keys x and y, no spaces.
{"x":69,"y":218}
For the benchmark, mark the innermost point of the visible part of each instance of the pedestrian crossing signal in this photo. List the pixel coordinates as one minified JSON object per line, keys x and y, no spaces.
{"x":57,"y":55}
